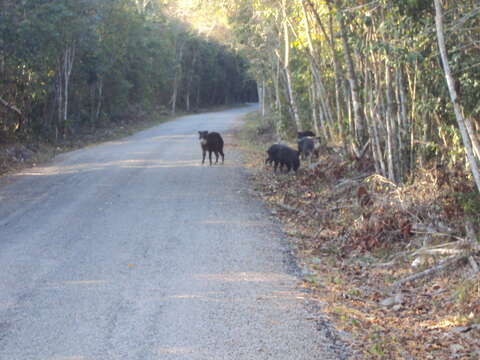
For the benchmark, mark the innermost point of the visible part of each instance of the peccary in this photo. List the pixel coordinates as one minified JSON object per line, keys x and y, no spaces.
{"x":302,"y":134}
{"x":282,"y":155}
{"x":211,"y":142}
{"x":308,"y":147}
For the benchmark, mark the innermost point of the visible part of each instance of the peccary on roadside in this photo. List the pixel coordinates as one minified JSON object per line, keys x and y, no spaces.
{"x":211,"y":142}
{"x":302,"y":134}
{"x":282,"y":155}
{"x":308,"y":147}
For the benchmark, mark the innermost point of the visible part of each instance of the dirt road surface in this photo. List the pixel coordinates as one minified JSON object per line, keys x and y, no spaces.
{"x":134,"y":250}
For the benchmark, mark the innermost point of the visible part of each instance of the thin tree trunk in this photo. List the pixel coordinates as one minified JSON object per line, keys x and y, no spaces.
{"x":288,"y":75}
{"x":100,"y":99}
{"x":454,"y":96}
{"x":313,"y":101}
{"x":68,"y":66}
{"x":339,"y":83}
{"x":376,"y":117}
{"x":320,"y":91}
{"x":404,"y":126}
{"x":391,"y":129}
{"x":358,"y":118}
{"x":261,"y":95}
{"x":178,"y":73}
{"x":276,"y":84}
{"x":190,"y":80}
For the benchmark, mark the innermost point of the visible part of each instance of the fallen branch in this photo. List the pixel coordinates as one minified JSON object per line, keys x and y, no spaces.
{"x":11,"y":107}
{"x":434,"y":233}
{"x":441,"y":266}
{"x":441,"y":251}
{"x":15,"y":110}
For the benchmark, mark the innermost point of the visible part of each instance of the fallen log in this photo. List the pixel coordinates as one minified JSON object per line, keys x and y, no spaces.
{"x":441,"y":266}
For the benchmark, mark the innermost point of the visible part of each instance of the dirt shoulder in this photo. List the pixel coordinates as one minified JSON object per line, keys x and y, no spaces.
{"x":396,"y":266}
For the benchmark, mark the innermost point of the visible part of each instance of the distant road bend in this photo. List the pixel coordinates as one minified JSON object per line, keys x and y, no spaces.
{"x":133,"y":250}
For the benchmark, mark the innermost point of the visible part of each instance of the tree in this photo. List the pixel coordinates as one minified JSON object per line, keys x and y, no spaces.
{"x":462,"y":122}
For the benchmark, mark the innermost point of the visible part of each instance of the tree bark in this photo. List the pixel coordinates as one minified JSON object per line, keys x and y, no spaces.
{"x":288,"y":75}
{"x":359,"y":121}
{"x":461,"y":121}
{"x":178,"y":73}
{"x":318,"y":90}
{"x":391,"y":128}
{"x":68,"y":67}
{"x":340,"y":87}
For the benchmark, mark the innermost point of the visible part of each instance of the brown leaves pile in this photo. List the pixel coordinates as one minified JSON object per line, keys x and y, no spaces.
{"x":355,"y":231}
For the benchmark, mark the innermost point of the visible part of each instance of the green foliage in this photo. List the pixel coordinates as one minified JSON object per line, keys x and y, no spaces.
{"x":125,"y":59}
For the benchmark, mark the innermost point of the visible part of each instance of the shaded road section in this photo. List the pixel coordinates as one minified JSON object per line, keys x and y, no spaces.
{"x":134,"y":250}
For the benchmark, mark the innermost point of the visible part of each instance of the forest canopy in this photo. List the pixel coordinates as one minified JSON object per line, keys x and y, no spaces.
{"x":71,"y":64}
{"x":369,"y":75}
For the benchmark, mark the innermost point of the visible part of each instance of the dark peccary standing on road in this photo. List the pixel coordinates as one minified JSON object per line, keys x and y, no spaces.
{"x":308,"y":147}
{"x":302,"y":134}
{"x":211,"y":142}
{"x":283,"y":155}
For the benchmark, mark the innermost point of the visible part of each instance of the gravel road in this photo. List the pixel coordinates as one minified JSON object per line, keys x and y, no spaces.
{"x":134,"y":250}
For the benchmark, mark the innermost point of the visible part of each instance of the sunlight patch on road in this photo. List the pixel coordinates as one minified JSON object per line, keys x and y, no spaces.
{"x":175,"y":350}
{"x":233,"y":222}
{"x":98,"y":166}
{"x":59,"y":284}
{"x":174,"y":137}
{"x":245,"y":277}
{"x":151,"y":164}
{"x":206,"y":297}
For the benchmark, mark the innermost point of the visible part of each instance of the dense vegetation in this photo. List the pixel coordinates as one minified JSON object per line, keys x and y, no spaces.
{"x":385,"y":223}
{"x":368,"y":74}
{"x":74,"y":64}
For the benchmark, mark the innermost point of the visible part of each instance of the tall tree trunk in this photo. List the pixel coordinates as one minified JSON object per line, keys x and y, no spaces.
{"x":320,"y":92}
{"x":100,"y":99}
{"x":276,"y":84}
{"x":288,"y":75}
{"x":461,"y":121}
{"x":67,"y":69}
{"x":191,"y":73}
{"x":276,"y":70}
{"x":391,"y":128}
{"x":340,"y":102}
{"x":261,"y":96}
{"x":62,"y":82}
{"x":178,"y":72}
{"x":313,"y":100}
{"x":358,"y":117}
{"x":404,"y":126}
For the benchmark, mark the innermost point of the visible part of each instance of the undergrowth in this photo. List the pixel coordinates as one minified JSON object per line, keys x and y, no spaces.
{"x":363,"y":238}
